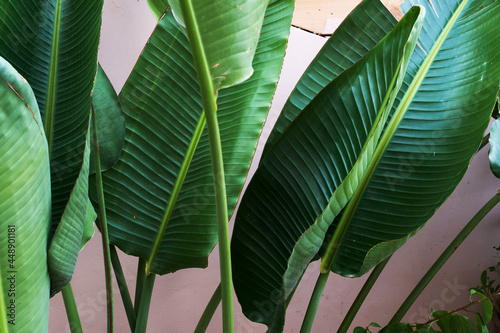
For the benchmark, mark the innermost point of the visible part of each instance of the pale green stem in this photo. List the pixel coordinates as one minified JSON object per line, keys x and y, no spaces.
{"x":207,"y":315}
{"x":104,"y":230}
{"x":314,"y":303}
{"x":455,"y":243}
{"x":210,"y":107}
{"x":349,"y":317}
{"x":75,"y":325}
{"x":143,"y":311}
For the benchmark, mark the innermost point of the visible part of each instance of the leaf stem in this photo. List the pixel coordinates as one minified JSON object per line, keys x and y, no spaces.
{"x":75,"y":325}
{"x":314,"y":302}
{"x":455,"y":243}
{"x":139,"y":284}
{"x":210,"y":107}
{"x":104,"y":229}
{"x":349,"y":317}
{"x":207,"y":315}
{"x":143,"y":311}
{"x":122,"y":285}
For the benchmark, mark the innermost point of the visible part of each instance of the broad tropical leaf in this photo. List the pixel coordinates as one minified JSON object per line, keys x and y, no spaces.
{"x":69,"y":236}
{"x":165,"y":128}
{"x":110,"y":122}
{"x":53,"y":44}
{"x":229,"y":31}
{"x":446,"y":99}
{"x":352,"y":104}
{"x":24,"y":206}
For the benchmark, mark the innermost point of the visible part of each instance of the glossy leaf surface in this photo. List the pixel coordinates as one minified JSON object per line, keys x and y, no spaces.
{"x":53,"y":44}
{"x":164,"y":120}
{"x":24,"y":206}
{"x":446,"y":99}
{"x":347,"y":106}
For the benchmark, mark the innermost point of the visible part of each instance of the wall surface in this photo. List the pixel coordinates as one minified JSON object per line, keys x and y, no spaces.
{"x":180,"y":298}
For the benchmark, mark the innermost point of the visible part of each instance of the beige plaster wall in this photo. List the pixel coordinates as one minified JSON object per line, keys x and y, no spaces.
{"x":179,"y":298}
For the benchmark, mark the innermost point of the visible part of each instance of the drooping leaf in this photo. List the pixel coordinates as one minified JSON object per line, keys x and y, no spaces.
{"x":164,"y":122}
{"x":273,"y":204}
{"x":53,"y":44}
{"x":24,"y":206}
{"x":229,"y":33}
{"x":110,"y":122}
{"x":494,"y":152}
{"x":69,"y":235}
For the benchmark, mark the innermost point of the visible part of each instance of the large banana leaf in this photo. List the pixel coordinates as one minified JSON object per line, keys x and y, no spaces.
{"x":446,"y":100}
{"x":229,"y":32}
{"x":165,"y":125}
{"x":286,"y":193}
{"x":53,"y":44}
{"x":24,"y":206}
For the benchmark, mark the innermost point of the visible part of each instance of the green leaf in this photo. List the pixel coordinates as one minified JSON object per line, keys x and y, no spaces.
{"x":53,"y":44}
{"x":110,"y":122}
{"x":397,"y":328}
{"x":158,"y":7}
{"x":446,"y":99}
{"x":368,"y":23}
{"x":272,"y":204}
{"x":480,"y":325}
{"x":24,"y":206}
{"x":359,"y":329}
{"x":486,"y":306}
{"x":164,"y":123}
{"x":229,"y":31}
{"x":69,"y":235}
{"x":432,"y":148}
{"x":494,"y":152}
{"x":455,"y":323}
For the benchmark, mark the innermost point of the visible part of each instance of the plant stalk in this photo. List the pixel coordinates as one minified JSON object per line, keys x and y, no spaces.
{"x":122,"y":285}
{"x":139,"y":284}
{"x":75,"y":325}
{"x":104,"y":229}
{"x":356,"y":305}
{"x":207,"y":315}
{"x":210,"y":107}
{"x":443,"y":258}
{"x":314,"y":302}
{"x":143,"y":312}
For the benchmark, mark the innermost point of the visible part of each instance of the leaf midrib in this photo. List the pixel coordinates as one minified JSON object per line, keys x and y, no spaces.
{"x":52,"y":81}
